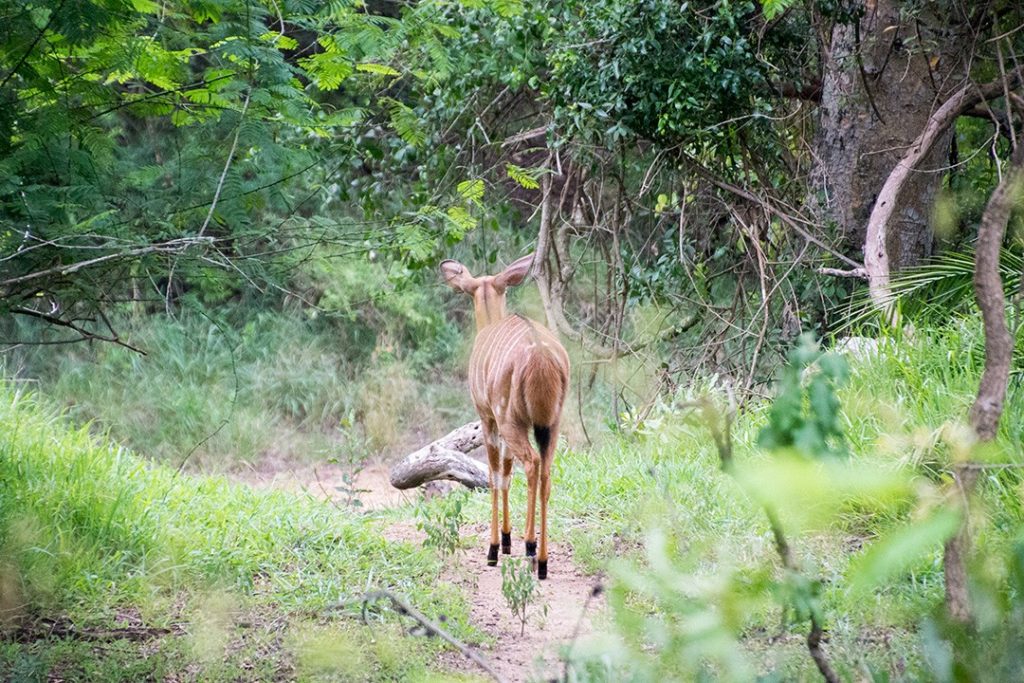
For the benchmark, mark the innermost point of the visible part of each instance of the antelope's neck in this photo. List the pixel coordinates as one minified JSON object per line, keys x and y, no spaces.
{"x":489,"y":305}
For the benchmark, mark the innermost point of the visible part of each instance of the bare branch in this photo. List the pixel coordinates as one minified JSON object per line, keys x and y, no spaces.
{"x":876,"y":252}
{"x":170,"y":246}
{"x":402,"y":606}
{"x":858,"y":273}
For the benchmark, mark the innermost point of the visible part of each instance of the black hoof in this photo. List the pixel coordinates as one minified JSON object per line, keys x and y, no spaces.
{"x":531,"y":548}
{"x":506,"y":543}
{"x":542,"y":569}
{"x":492,"y":556}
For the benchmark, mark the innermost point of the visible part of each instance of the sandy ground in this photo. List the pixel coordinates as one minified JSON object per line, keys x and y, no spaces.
{"x":529,"y":657}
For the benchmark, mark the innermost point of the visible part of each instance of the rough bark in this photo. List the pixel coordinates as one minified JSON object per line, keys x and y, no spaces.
{"x":988,"y":406}
{"x":444,"y":459}
{"x":877,"y":96}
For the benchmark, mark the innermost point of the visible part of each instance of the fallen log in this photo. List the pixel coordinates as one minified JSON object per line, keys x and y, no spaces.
{"x":444,"y":459}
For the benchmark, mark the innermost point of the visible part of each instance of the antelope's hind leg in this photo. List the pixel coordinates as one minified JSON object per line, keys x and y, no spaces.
{"x":518,"y":444}
{"x":506,"y":481}
{"x":491,"y":440}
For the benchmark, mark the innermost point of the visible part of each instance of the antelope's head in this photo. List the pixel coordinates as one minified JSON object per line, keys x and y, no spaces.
{"x":488,"y":291}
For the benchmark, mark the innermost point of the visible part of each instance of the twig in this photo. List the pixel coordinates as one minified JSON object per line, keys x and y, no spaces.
{"x":85,"y":334}
{"x":47,"y":629}
{"x":32,"y":46}
{"x":858,"y":273}
{"x":170,"y":246}
{"x":400,"y":605}
{"x":595,"y":591}
{"x":720,"y":426}
{"x":771,"y":208}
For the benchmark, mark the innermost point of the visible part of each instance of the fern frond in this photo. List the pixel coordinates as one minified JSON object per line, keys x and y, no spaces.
{"x":940,"y":288}
{"x":525,"y":178}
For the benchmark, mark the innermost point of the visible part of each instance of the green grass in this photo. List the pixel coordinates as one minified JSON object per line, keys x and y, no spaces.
{"x":664,"y":475}
{"x":277,"y":386}
{"x":93,"y":536}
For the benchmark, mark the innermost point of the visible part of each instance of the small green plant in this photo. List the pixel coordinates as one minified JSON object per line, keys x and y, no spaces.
{"x":520,"y":589}
{"x":804,"y":416}
{"x":348,"y":489}
{"x":441,"y":522}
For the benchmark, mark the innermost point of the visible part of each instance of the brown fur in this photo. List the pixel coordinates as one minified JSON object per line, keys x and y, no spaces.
{"x":518,"y":377}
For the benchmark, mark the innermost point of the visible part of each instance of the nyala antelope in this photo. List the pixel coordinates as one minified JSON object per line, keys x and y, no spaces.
{"x":518,"y":378}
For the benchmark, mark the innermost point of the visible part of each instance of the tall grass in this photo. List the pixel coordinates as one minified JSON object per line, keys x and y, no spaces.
{"x":89,"y":532}
{"x":277,"y":386}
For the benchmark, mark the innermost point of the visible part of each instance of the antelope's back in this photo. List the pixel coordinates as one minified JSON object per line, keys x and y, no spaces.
{"x":499,"y":351}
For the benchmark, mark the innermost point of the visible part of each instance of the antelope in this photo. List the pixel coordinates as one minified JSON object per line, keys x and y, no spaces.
{"x":518,"y":378}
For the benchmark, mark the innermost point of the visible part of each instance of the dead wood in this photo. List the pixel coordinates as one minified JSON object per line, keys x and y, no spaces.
{"x":445,"y":458}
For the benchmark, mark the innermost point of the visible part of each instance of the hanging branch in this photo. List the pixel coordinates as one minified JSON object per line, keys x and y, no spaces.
{"x":876,"y":251}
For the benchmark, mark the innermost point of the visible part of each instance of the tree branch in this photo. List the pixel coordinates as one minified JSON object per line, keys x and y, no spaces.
{"x":988,"y":406}
{"x":876,"y":252}
{"x":401,"y":606}
{"x":70,"y":324}
{"x":170,"y":246}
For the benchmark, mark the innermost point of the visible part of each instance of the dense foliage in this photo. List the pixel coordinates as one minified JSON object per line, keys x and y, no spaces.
{"x":249,"y":198}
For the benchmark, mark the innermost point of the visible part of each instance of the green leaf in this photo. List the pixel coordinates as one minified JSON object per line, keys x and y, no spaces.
{"x":899,"y":549}
{"x":146,"y":6}
{"x":527,"y":179}
{"x":471,"y":190}
{"x":327,"y":69}
{"x":40,"y":16}
{"x":379,"y":69}
{"x":773,"y":8}
{"x":279,"y":40}
{"x":462,"y":222}
{"x":406,"y":123}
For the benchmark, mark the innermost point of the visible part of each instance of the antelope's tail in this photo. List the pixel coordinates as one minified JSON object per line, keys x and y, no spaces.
{"x":545,"y":382}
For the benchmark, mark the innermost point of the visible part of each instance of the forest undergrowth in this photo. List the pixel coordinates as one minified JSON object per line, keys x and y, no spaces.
{"x":192,"y":573}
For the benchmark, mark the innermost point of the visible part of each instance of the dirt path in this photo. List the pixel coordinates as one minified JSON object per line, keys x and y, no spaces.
{"x":532,"y":656}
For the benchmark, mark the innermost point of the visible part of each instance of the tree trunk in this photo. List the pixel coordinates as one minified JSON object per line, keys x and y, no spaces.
{"x":988,"y":406}
{"x":884,"y":76}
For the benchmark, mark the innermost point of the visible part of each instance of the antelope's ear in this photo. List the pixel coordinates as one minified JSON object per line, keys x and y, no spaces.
{"x":457,"y":276}
{"x":516,"y":272}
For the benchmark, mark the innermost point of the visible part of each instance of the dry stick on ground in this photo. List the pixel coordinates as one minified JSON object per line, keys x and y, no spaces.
{"x":400,"y":605}
{"x":876,"y":252}
{"x":46,"y":629}
{"x":595,"y":591}
{"x":988,"y":406}
{"x":720,"y":425}
{"x":444,"y":459}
